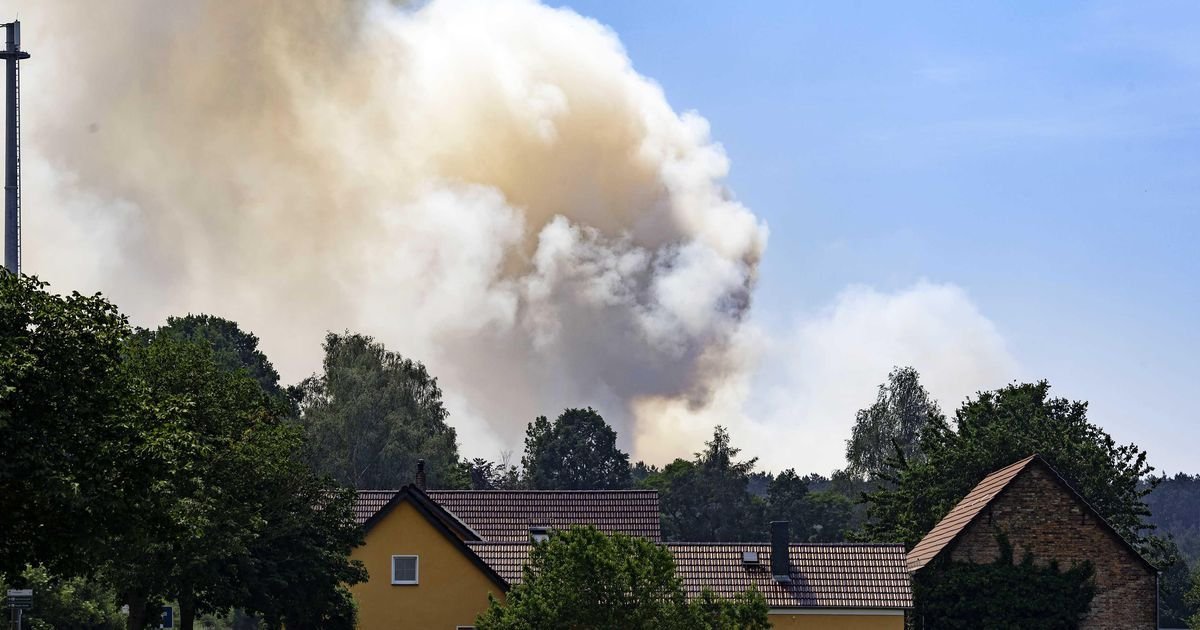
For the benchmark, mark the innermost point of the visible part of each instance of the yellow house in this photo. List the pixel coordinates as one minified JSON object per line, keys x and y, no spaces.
{"x":434,"y":557}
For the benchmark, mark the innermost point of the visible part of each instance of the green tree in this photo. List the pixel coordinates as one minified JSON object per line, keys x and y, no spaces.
{"x":233,"y":348}
{"x":488,"y":475}
{"x":75,"y":602}
{"x":578,"y":451}
{"x":1193,"y":600}
{"x":1174,"y":580}
{"x":62,"y":426}
{"x":821,"y":516}
{"x":706,"y":499}
{"x":372,"y":414}
{"x":994,"y":430}
{"x":583,"y":578}
{"x":896,"y":420}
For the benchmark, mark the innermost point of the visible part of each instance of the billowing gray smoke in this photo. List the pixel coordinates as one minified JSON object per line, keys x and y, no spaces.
{"x":487,"y":186}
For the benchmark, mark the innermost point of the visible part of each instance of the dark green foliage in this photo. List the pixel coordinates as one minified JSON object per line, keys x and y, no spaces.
{"x":1175,"y":511}
{"x":1174,"y":580}
{"x":62,"y":425}
{"x":233,"y":349}
{"x":821,"y":516}
{"x":1002,"y":595}
{"x":896,"y":421}
{"x":994,"y":430}
{"x":583,"y":578}
{"x":372,"y":414}
{"x":1192,"y":599}
{"x":487,"y":475}
{"x":706,"y":499}
{"x":77,"y":603}
{"x":641,"y":471}
{"x":578,"y":451}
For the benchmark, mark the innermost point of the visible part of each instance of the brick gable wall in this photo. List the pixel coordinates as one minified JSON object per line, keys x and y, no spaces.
{"x":1040,"y":516}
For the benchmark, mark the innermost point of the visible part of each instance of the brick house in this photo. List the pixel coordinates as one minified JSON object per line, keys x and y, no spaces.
{"x":1041,"y":514}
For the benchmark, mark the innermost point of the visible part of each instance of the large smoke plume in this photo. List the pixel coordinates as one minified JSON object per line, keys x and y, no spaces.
{"x":488,"y":186}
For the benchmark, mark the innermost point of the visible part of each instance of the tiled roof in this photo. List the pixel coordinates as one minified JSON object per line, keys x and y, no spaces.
{"x":368,"y":502}
{"x":839,"y":575}
{"x":823,"y":576}
{"x":507,"y":515}
{"x":957,"y":520}
{"x":506,"y":559}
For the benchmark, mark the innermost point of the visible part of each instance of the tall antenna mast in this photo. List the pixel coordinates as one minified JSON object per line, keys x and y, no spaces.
{"x":12,"y":54}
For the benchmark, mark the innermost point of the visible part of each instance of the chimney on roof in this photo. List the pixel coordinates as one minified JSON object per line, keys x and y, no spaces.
{"x":420,"y":480}
{"x":780,"y":562}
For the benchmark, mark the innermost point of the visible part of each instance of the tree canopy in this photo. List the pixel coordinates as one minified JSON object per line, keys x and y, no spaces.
{"x":901,"y":411}
{"x":583,"y":578}
{"x":371,"y":414}
{"x":578,"y":451}
{"x":994,"y":430}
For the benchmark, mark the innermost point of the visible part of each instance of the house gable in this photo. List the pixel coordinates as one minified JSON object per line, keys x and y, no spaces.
{"x":452,"y":583}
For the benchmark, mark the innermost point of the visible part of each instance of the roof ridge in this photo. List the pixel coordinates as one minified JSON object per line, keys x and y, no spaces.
{"x":544,"y":491}
{"x":790,"y":544}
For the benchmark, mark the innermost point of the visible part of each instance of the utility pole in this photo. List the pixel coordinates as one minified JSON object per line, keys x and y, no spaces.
{"x":12,"y":54}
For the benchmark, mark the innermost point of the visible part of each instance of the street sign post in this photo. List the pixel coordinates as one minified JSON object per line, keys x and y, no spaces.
{"x":19,"y":600}
{"x":168,"y":617}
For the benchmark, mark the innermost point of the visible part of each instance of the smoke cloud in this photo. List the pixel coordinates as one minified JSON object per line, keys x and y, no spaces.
{"x":486,"y":186}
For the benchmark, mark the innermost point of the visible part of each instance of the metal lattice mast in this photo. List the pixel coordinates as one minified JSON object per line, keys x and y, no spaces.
{"x":12,"y":55}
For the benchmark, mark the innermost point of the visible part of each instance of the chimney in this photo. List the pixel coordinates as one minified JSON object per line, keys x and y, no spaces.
{"x":780,"y":562}
{"x":420,"y":481}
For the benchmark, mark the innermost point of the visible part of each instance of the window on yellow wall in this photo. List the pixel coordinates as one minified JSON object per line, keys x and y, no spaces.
{"x":405,"y":569}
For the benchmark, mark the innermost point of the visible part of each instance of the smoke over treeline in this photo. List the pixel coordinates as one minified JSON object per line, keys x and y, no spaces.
{"x":487,"y":186}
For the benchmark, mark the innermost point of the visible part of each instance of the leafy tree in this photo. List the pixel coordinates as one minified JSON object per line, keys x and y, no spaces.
{"x":488,"y":475}
{"x":1174,"y":580}
{"x":821,"y":516}
{"x":994,"y":430}
{"x":1193,"y":599}
{"x":1009,"y":595}
{"x":641,"y":471}
{"x":62,"y":426}
{"x":233,"y":348}
{"x":582,"y":578}
{"x":578,"y":451}
{"x":74,"y":602}
{"x":372,"y":414}
{"x":901,"y":411}
{"x":706,"y":499}
{"x":1173,"y":512}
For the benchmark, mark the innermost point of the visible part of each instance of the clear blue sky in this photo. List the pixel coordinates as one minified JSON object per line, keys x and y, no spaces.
{"x":1043,"y":156}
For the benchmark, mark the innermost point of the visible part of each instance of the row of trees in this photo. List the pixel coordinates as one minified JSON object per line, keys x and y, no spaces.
{"x":153,"y":466}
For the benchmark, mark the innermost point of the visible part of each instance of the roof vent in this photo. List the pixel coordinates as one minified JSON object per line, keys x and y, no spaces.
{"x":749,"y":558}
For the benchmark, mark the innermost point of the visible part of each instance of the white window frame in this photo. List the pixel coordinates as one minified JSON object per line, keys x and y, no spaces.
{"x":416,"y":570}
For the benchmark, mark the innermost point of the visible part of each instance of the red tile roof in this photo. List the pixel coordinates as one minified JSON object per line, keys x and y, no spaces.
{"x":507,"y":515}
{"x":823,"y":576}
{"x":958,"y":518}
{"x":839,"y":575}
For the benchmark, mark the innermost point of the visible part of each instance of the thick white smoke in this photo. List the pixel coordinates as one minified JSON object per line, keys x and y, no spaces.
{"x":485,"y":185}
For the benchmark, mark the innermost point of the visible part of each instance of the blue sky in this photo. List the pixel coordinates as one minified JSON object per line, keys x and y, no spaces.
{"x":1044,"y":157}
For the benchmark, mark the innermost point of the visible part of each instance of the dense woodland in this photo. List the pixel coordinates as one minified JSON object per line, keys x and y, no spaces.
{"x":140,"y":467}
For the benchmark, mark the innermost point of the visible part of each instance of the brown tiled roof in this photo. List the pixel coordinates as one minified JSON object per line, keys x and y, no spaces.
{"x":368,"y":502}
{"x":506,"y":559}
{"x":823,"y":576}
{"x":957,"y":520}
{"x":839,"y":575}
{"x":507,"y":515}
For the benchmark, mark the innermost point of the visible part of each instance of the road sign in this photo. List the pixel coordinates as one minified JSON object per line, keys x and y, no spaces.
{"x":20,"y":598}
{"x":168,"y":617}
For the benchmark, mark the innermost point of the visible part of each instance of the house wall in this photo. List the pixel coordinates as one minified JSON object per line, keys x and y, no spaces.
{"x":452,"y":589}
{"x":846,"y":621}
{"x":1040,"y":516}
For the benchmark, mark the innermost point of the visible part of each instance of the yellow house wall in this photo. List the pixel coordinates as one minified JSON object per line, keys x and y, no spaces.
{"x":452,"y":589}
{"x":837,"y":622}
